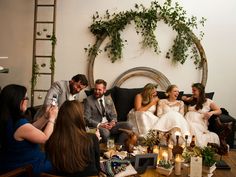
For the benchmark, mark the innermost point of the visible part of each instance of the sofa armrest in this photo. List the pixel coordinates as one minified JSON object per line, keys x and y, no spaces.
{"x":224,"y":119}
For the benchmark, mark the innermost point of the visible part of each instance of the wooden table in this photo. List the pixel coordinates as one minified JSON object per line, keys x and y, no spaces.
{"x":230,"y":159}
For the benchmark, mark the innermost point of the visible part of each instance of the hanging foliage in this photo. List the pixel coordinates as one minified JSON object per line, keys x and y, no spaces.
{"x":145,"y":20}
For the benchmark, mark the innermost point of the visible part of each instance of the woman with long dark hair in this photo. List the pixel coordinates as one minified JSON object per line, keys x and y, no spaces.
{"x":200,"y":109}
{"x":72,"y":150}
{"x":19,"y":139}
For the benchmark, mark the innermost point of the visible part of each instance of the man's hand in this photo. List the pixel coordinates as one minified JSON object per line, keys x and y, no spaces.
{"x":106,"y":125}
{"x":112,"y":123}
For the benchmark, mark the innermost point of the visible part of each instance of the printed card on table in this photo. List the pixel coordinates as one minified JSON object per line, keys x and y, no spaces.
{"x":196,"y":167}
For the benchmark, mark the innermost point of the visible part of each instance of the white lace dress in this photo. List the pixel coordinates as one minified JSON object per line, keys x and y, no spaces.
{"x":142,"y":121}
{"x":199,"y":126}
{"x":171,"y":117}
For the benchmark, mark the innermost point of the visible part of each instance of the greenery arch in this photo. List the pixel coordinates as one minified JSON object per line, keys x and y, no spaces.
{"x":145,"y":20}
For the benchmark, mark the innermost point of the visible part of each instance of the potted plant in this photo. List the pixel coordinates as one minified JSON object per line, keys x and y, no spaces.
{"x":208,"y":160}
{"x":164,"y":167}
{"x":151,"y":139}
{"x":208,"y":155}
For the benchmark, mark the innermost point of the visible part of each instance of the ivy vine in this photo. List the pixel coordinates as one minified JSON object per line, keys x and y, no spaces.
{"x":36,"y":67}
{"x":145,"y":20}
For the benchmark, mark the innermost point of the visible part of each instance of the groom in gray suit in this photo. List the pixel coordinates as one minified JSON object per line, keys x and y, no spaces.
{"x":63,"y":90}
{"x":100,"y":112}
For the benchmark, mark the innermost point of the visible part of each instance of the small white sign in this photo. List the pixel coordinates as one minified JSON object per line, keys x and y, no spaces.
{"x":196,"y":167}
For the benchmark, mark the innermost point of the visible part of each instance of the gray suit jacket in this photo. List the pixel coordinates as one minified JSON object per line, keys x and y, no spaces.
{"x":62,"y":90}
{"x":93,"y":111}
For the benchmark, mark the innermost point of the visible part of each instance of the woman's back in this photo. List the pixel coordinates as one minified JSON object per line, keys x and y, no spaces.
{"x":19,"y":153}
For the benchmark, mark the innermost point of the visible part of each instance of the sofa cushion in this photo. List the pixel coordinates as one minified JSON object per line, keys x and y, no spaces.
{"x":162,"y":95}
{"x":124,"y":101}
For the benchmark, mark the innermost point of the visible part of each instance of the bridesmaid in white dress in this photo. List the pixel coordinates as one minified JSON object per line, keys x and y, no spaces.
{"x":200,"y":110}
{"x":171,"y":114}
{"x":143,"y":115}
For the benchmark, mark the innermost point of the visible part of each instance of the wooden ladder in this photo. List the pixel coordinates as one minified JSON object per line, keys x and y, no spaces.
{"x":44,"y":41}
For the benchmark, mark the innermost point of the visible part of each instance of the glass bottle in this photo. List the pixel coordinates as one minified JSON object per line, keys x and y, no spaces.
{"x":193,"y":144}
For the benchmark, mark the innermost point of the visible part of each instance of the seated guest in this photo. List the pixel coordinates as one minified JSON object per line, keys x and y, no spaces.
{"x":171,"y":114}
{"x":18,"y":138}
{"x":143,"y":115}
{"x":200,"y":109}
{"x":73,"y":151}
{"x":100,"y":112}
{"x":64,"y":90}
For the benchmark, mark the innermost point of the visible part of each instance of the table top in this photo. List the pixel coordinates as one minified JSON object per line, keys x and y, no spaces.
{"x":229,"y":158}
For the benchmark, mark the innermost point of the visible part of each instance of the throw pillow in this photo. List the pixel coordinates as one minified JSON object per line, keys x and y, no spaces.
{"x":124,"y":101}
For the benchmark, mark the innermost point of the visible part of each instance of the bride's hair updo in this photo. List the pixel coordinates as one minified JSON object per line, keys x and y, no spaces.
{"x":147,"y":93}
{"x":169,"y":89}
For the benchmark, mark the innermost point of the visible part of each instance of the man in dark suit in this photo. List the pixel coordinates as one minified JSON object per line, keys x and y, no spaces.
{"x":100,"y":112}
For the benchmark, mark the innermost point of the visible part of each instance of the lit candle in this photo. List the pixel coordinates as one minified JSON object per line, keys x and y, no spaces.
{"x":178,"y":165}
{"x":186,"y":135}
{"x":155,"y":149}
{"x":177,"y":133}
{"x":165,"y":156}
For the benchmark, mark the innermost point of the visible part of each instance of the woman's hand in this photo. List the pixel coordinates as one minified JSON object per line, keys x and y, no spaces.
{"x":207,"y":115}
{"x":97,"y":133}
{"x":52,"y":113}
{"x":155,"y":100}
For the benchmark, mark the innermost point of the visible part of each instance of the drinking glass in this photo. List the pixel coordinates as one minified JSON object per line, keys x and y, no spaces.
{"x":110,"y":144}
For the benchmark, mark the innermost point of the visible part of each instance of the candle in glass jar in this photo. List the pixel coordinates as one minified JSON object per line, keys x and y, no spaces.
{"x":165,"y":156}
{"x":178,"y":165}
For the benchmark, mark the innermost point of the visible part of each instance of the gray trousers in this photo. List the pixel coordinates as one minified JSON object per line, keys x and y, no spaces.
{"x":117,"y":134}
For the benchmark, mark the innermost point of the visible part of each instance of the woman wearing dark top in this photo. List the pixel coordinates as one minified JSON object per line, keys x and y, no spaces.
{"x":18,"y":138}
{"x":72,"y":150}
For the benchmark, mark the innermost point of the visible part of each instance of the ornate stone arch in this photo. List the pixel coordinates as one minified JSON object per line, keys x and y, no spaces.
{"x":157,"y":76}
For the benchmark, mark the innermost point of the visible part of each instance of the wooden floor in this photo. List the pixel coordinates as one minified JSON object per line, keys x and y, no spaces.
{"x":230,"y":159}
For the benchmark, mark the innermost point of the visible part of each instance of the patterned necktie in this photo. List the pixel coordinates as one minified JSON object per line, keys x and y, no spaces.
{"x":103,"y":108}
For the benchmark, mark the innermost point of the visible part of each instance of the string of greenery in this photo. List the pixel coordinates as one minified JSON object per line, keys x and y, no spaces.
{"x":145,"y":20}
{"x":36,"y":67}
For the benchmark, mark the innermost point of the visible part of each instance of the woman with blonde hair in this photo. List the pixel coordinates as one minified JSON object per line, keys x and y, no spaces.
{"x":70,"y":148}
{"x":171,"y":114}
{"x":143,"y":115}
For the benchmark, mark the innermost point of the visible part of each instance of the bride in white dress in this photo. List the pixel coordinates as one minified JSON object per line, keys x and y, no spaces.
{"x":171,"y":114}
{"x":143,"y":115}
{"x":199,"y":111}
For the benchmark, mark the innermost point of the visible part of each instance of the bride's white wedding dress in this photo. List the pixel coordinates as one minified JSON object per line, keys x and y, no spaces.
{"x":171,"y":117}
{"x":142,"y":121}
{"x":199,"y":126}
